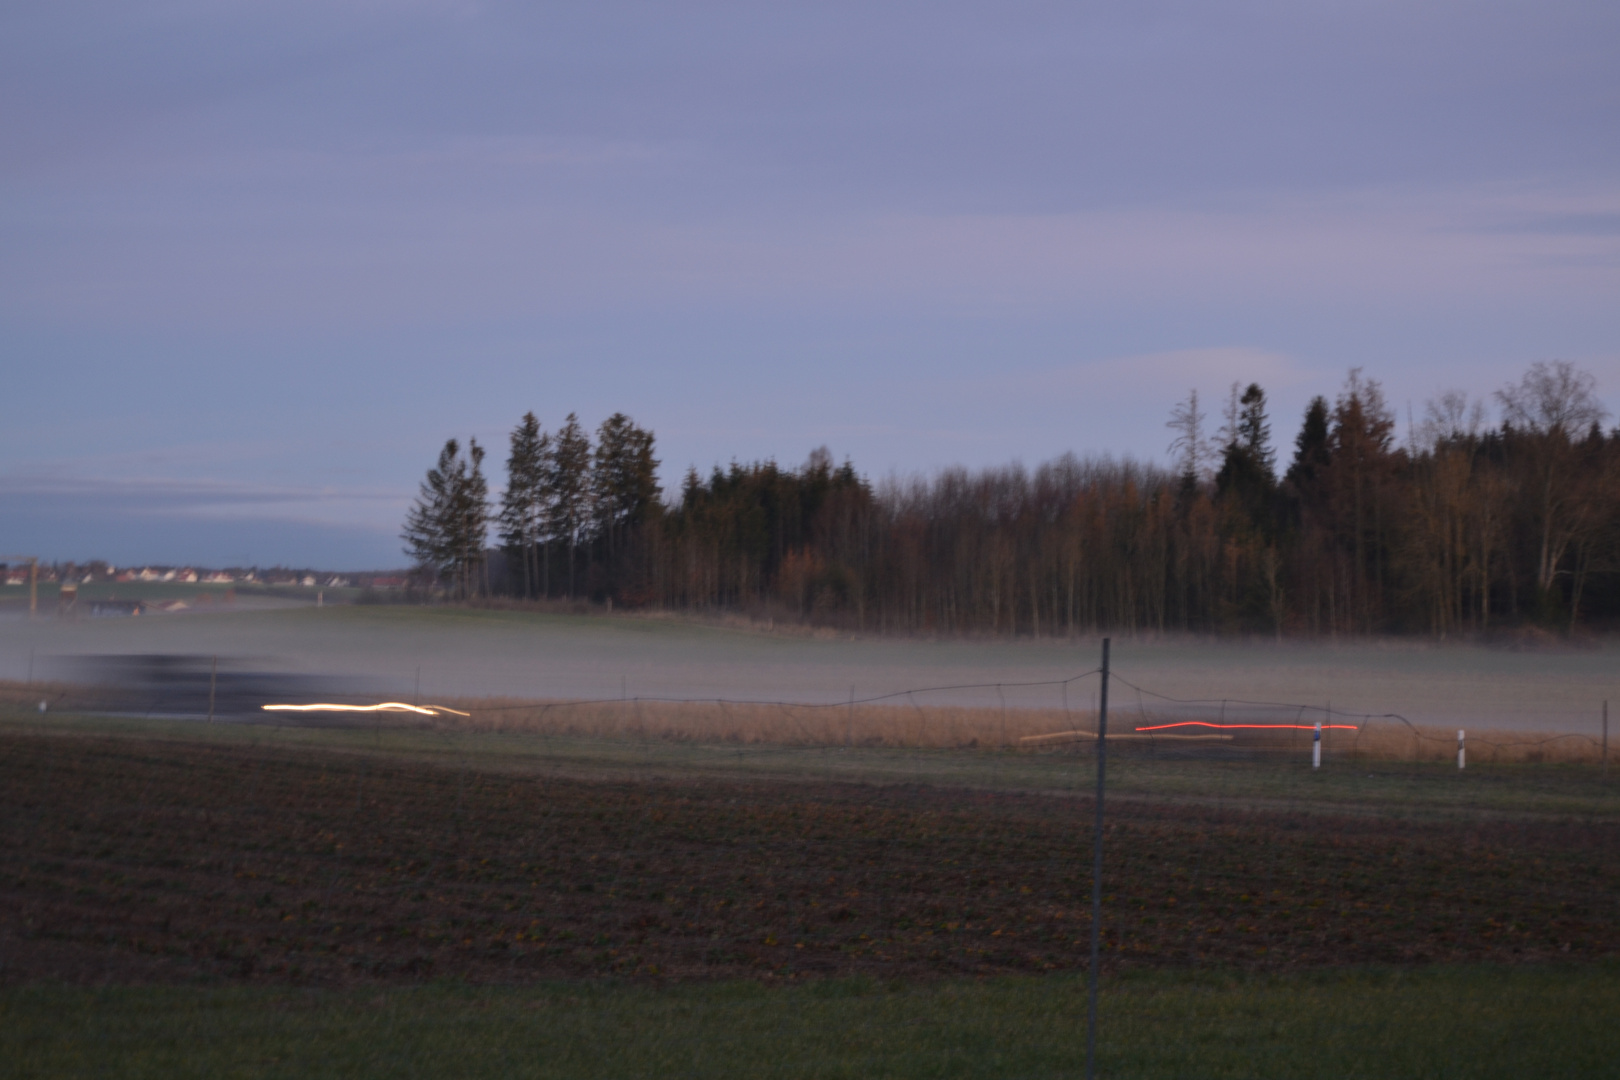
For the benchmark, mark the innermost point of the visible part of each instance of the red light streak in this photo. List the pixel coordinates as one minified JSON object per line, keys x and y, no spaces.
{"x":1262,"y":727}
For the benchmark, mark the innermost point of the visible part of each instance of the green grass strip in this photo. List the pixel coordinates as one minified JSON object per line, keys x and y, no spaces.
{"x":1474,"y":1022}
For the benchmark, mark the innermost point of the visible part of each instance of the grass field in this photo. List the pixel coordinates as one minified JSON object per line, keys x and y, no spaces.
{"x":1138,"y":770}
{"x":1476,"y":1023}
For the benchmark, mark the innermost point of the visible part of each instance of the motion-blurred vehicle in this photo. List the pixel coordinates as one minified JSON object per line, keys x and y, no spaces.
{"x":225,"y":688}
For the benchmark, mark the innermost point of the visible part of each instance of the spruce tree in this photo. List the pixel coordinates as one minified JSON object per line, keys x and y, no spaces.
{"x":624,"y":482}
{"x":472,"y":519}
{"x":1254,"y":431}
{"x":1246,"y":482}
{"x":524,"y":504}
{"x":445,"y":528}
{"x":427,"y":537}
{"x":570,"y":515}
{"x":1311,"y":454}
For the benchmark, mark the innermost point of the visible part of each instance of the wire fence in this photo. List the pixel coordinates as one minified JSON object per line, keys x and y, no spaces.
{"x":1030,"y":717}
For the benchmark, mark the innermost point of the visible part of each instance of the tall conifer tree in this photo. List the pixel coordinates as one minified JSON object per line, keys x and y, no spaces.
{"x":570,"y":510}
{"x":445,"y":528}
{"x":624,"y":481}
{"x":524,"y":504}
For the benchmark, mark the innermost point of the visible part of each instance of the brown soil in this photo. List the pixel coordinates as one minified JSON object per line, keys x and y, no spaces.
{"x":128,"y":861}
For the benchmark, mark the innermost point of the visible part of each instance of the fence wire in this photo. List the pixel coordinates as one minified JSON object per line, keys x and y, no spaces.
{"x":1046,"y":715}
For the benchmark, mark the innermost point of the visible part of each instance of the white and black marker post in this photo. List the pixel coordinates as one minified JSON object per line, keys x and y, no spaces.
{"x":1096,"y":871}
{"x":1462,"y":754}
{"x":1316,"y":747}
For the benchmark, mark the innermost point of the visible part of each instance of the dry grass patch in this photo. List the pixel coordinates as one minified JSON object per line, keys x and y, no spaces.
{"x":919,"y":726}
{"x":910,"y":726}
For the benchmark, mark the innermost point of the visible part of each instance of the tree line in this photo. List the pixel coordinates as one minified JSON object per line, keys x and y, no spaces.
{"x":1465,"y":527}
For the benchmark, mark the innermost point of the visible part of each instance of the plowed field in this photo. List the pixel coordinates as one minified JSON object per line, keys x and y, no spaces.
{"x":130,"y":861}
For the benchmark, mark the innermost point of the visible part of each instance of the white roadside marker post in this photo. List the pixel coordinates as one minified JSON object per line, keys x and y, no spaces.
{"x":1461,"y":752}
{"x":1316,"y":747}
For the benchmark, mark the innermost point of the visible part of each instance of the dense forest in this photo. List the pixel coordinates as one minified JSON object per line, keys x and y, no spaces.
{"x":1461,"y":528}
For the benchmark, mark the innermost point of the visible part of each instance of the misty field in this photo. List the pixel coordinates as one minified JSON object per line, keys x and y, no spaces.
{"x":463,"y":653}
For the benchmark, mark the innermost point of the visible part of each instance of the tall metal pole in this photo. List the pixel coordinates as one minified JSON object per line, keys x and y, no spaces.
{"x":1096,"y":871}
{"x":33,"y":580}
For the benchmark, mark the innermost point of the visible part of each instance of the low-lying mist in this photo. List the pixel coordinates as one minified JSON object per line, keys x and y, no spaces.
{"x":421,"y":653}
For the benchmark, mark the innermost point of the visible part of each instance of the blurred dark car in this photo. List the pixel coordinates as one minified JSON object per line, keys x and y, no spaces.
{"x":200,"y":686}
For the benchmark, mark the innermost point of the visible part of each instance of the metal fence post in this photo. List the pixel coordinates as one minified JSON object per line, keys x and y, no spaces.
{"x":1096,"y":871}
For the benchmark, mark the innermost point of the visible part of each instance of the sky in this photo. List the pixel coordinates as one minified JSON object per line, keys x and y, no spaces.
{"x":259,"y":260}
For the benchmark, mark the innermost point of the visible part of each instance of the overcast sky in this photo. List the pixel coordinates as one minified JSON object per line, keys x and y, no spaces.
{"x":259,"y":260}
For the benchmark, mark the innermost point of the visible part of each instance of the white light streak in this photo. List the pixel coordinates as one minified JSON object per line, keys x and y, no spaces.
{"x":386,"y":706}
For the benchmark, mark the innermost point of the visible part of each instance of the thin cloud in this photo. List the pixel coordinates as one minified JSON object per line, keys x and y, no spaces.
{"x":203,"y":498}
